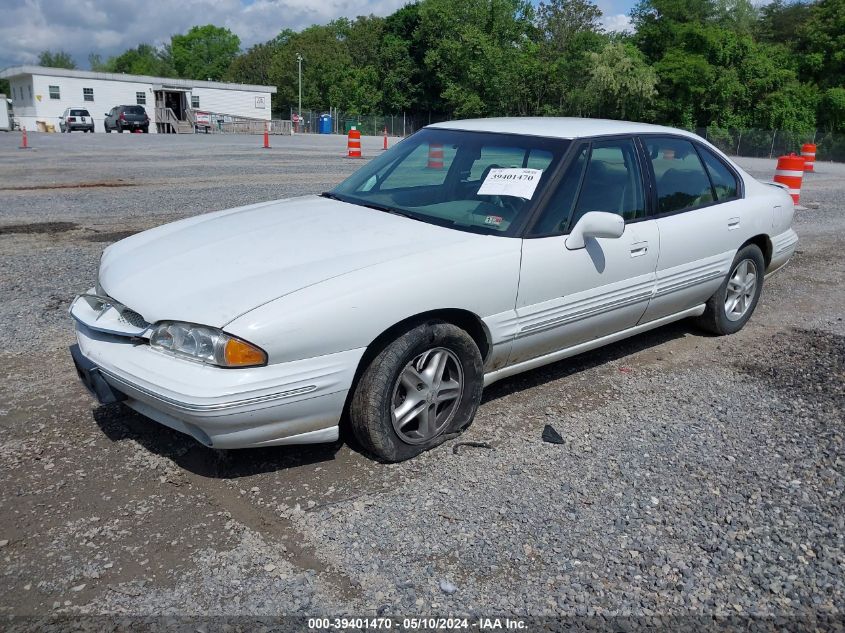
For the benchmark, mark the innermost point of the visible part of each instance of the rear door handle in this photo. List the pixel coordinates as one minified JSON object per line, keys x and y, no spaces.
{"x":638,"y":249}
{"x":733,"y":223}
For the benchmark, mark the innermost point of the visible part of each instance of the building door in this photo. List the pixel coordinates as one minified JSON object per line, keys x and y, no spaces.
{"x":176,"y":102}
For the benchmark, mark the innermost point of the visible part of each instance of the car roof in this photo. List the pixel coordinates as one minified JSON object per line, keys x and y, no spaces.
{"x":558,"y":127}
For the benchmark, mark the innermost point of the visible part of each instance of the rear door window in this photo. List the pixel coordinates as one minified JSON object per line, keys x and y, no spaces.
{"x":681,"y":180}
{"x":723,"y":179}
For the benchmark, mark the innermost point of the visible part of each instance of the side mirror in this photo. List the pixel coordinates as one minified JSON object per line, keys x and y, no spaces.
{"x":595,"y":224}
{"x":106,"y":114}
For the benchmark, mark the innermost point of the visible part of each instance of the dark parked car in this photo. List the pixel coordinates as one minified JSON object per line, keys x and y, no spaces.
{"x":76,"y":119}
{"x":127,"y":117}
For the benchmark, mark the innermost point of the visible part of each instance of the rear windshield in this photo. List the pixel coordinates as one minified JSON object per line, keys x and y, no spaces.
{"x":134,"y":110}
{"x":79,"y":113}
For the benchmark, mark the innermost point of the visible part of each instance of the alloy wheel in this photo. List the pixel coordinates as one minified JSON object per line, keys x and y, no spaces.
{"x":742,"y":285}
{"x":426,"y":395}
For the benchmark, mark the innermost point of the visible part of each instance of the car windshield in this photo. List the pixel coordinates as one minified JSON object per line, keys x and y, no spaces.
{"x":79,"y":113}
{"x":134,"y":110}
{"x":472,"y":181}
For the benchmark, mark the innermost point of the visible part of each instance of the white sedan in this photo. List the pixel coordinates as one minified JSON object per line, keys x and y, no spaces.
{"x":472,"y":251}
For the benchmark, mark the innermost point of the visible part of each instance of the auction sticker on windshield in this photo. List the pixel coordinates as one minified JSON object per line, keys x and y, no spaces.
{"x":516,"y":182}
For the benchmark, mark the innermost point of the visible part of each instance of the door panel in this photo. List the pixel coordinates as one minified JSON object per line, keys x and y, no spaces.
{"x":696,"y":251}
{"x":697,"y":245}
{"x":570,"y":297}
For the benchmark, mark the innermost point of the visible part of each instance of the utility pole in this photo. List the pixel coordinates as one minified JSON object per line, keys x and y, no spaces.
{"x":299,"y":113}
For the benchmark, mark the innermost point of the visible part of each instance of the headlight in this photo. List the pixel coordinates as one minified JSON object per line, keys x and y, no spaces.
{"x":205,"y":344}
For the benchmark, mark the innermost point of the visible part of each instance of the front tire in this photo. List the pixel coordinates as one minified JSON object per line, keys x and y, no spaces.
{"x":418,"y":390}
{"x":732,"y":305}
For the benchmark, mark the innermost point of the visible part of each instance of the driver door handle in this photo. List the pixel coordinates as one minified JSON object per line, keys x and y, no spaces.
{"x":638,"y":249}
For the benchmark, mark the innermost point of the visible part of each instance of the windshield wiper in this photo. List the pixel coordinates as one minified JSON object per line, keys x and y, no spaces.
{"x":386,"y":209}
{"x":370,"y":205}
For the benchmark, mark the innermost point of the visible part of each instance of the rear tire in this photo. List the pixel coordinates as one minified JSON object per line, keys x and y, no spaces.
{"x":732,"y":305}
{"x":417,"y":391}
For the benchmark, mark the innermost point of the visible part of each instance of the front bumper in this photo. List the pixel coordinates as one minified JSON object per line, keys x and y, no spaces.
{"x":299,"y":402}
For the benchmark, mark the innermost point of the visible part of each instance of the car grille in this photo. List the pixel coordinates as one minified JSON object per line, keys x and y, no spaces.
{"x":132,"y":318}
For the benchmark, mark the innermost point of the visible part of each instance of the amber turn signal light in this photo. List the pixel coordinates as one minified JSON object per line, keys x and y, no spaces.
{"x":241,"y":354}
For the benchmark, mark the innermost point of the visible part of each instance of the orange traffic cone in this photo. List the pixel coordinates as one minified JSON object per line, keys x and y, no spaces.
{"x":789,"y":172}
{"x":385,"y":138}
{"x":435,"y":156}
{"x":24,"y":144}
{"x":808,"y":151}
{"x":266,"y":137}
{"x":353,"y":144}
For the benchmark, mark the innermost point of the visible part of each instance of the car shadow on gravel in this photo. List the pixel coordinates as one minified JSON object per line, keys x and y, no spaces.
{"x":120,"y":423}
{"x":595,"y":358}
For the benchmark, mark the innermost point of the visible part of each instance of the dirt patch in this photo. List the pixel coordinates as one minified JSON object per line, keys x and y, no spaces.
{"x":805,"y":364}
{"x":38,"y":227}
{"x":113,"y":236}
{"x":71,"y":185}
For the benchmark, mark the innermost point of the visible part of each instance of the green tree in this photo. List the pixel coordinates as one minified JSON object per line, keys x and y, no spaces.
{"x":621,"y":82}
{"x":475,"y":50}
{"x":253,"y":66}
{"x":567,"y":32}
{"x":96,"y":63}
{"x":832,"y":109}
{"x":561,"y":21}
{"x":780,"y":21}
{"x":326,"y":68}
{"x":204,"y":52}
{"x":791,"y":108}
{"x":59,"y":59}
{"x":822,"y":43}
{"x":5,"y":88}
{"x":142,"y":60}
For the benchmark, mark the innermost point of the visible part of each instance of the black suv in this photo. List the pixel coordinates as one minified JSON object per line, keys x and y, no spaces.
{"x":127,"y":117}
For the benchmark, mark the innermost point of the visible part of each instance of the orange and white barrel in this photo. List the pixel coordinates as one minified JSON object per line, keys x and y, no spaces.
{"x":789,"y":172}
{"x":353,"y":144}
{"x":808,"y":151}
{"x":435,"y":156}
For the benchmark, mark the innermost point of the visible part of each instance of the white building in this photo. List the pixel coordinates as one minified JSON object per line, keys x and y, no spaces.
{"x":43,"y":94}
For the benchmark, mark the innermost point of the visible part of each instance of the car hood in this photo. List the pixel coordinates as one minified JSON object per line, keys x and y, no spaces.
{"x":213,"y":268}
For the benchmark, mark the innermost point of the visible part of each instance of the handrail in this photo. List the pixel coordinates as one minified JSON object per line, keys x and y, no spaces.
{"x":238,"y":124}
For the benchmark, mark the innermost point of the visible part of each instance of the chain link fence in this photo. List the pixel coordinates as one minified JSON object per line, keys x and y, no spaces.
{"x":338,"y":122}
{"x":736,"y":142}
{"x":774,"y":143}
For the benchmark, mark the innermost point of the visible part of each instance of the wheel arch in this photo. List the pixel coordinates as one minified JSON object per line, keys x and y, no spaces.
{"x":468,"y":321}
{"x":764,"y":243}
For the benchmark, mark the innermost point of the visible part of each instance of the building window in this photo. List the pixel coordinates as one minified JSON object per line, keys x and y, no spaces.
{"x":54,"y":92}
{"x":87,"y":94}
{"x":195,"y":102}
{"x":141,"y":98}
{"x":29,"y":87}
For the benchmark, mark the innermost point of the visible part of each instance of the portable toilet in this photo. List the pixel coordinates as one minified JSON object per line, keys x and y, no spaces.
{"x":325,"y":124}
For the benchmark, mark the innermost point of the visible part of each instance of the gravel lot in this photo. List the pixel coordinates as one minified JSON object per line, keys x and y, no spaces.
{"x":700,"y":476}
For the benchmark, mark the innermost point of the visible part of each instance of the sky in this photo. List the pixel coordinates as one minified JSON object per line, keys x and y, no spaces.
{"x":109,"y":27}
